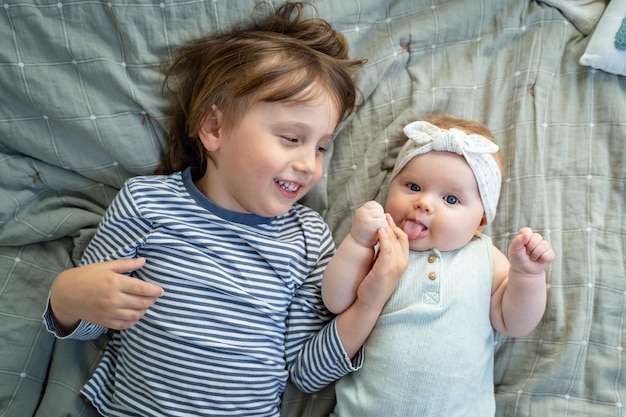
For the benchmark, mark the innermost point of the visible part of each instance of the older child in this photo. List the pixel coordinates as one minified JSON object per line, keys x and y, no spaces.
{"x":431,"y":351}
{"x":227,"y":305}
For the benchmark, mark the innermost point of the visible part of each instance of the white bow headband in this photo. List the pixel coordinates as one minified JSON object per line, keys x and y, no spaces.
{"x":476,"y":149}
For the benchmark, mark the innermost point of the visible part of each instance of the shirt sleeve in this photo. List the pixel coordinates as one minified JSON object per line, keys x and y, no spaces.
{"x":120,"y":232}
{"x":84,"y":331}
{"x":314,"y":353}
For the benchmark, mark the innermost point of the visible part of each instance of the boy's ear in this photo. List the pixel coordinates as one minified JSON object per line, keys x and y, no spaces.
{"x":211,"y":129}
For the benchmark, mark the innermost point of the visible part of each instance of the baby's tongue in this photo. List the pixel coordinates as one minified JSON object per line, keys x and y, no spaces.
{"x":413,"y":229}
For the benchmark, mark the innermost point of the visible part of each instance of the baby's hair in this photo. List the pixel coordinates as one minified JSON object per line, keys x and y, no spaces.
{"x":447,"y":121}
{"x":273,"y":59}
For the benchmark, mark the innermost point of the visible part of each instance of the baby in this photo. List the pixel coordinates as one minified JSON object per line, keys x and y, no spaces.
{"x":431,"y":351}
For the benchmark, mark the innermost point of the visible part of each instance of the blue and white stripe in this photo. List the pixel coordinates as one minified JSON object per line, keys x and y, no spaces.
{"x":241,"y":311}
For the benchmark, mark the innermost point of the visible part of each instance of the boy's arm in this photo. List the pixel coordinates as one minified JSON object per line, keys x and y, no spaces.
{"x":333,"y":350}
{"x":99,"y":292}
{"x":353,"y":258}
{"x":518,"y":298}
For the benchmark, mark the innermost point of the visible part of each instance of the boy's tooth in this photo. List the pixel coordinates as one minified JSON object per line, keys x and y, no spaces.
{"x":288,"y":186}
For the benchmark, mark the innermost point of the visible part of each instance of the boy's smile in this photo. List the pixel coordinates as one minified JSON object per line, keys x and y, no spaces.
{"x":271,"y":158}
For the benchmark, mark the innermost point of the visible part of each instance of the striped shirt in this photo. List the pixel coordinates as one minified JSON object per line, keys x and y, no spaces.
{"x":241,"y":312}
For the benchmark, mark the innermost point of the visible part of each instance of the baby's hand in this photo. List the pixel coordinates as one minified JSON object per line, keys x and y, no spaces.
{"x":529,"y":253}
{"x":367,"y":220}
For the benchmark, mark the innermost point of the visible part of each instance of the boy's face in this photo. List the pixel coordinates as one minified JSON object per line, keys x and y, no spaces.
{"x":271,"y":158}
{"x":436,"y":201}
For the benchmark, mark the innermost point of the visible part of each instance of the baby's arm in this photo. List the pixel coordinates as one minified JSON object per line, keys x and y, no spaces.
{"x":518,"y":298}
{"x":356,"y":323}
{"x":353,"y":259}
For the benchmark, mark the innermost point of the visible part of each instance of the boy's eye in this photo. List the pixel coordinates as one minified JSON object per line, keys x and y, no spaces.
{"x":414,"y":187}
{"x":321,"y":149}
{"x":450,"y":199}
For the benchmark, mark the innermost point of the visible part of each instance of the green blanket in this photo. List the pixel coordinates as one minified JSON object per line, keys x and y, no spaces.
{"x":81,"y":110}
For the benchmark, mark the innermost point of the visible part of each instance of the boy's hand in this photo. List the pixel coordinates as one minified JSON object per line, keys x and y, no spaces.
{"x":367,"y":220}
{"x":391,"y":263}
{"x":529,"y":253}
{"x":101,"y":294}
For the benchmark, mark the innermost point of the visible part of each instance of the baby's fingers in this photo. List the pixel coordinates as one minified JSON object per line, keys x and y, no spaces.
{"x":521,"y":240}
{"x":531,"y":245}
{"x":541,"y":252}
{"x":537,"y":249}
{"x":372,"y":210}
{"x":535,"y":245}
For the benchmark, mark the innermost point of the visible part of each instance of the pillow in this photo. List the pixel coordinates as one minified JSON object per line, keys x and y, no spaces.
{"x":601,"y":52}
{"x":583,"y":14}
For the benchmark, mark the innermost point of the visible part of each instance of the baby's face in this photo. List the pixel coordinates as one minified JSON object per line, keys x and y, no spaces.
{"x":436,"y":201}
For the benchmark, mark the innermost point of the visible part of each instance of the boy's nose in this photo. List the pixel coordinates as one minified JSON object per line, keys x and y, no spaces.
{"x":307,"y":162}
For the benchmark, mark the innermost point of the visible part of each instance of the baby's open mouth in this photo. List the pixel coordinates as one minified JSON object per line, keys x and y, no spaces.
{"x":414,"y":229}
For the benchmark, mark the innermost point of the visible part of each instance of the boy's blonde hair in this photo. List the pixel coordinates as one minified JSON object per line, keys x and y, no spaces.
{"x":273,"y":60}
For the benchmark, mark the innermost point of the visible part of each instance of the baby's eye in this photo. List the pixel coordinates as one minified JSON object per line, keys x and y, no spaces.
{"x":450,"y":199}
{"x":414,"y":187}
{"x":290,"y":139}
{"x":321,"y":149}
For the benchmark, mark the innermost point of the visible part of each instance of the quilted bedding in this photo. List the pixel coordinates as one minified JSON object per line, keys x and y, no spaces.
{"x":81,"y":110}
